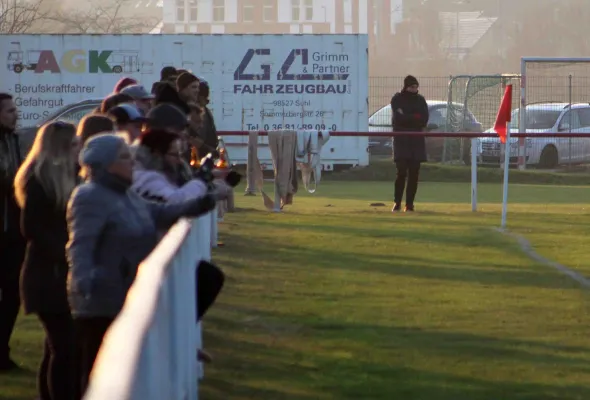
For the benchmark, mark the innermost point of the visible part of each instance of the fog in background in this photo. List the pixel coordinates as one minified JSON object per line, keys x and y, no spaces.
{"x":432,"y":39}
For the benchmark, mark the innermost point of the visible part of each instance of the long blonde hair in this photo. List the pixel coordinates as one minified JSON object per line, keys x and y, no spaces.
{"x":50,"y":161}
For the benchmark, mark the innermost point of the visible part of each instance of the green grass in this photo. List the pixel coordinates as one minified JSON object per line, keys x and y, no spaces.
{"x":383,"y":169}
{"x":334,"y":299}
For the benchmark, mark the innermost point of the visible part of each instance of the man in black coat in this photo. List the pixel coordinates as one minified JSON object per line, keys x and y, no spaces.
{"x":12,"y":244}
{"x":207,"y":132}
{"x":409,"y":114}
{"x":168,"y":76}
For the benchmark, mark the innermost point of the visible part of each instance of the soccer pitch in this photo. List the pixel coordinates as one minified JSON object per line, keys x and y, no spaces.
{"x":335,"y":299}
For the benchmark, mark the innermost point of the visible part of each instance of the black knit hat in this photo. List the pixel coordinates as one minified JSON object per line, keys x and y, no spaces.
{"x":168,"y":72}
{"x":410,"y":81}
{"x":157,"y":140}
{"x":167,"y":116}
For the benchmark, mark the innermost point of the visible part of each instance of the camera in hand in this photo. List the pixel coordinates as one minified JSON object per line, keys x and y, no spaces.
{"x":205,"y":170}
{"x":208,"y":165}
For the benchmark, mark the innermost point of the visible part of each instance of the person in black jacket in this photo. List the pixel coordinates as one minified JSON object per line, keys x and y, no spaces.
{"x":43,"y":185}
{"x":168,"y":76}
{"x":207,"y":131}
{"x":12,"y":245}
{"x":410,"y":114}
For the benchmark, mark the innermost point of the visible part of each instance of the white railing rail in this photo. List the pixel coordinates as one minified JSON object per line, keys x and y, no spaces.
{"x":150,"y":351}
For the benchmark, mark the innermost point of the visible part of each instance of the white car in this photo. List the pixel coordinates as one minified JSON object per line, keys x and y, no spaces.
{"x":547,"y":152}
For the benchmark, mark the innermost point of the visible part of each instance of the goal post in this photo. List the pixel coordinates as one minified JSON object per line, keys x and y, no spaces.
{"x":550,"y":90}
{"x":472,"y":104}
{"x":477,"y":97}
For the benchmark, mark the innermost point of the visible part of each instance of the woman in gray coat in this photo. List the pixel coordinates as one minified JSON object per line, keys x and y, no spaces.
{"x":111,"y":231}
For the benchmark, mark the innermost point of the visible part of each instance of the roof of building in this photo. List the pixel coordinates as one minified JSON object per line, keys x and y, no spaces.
{"x":462,"y":30}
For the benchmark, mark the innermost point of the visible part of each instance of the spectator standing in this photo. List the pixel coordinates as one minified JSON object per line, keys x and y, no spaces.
{"x":43,"y":185}
{"x":207,"y":131}
{"x":93,"y":124}
{"x":123,"y":83}
{"x":169,"y":117}
{"x":158,"y":160}
{"x":188,"y":87}
{"x":168,"y":76}
{"x":111,"y":231}
{"x":127,"y":119}
{"x":12,"y":244}
{"x":114,"y":100}
{"x":409,"y":114}
{"x":143,"y":99}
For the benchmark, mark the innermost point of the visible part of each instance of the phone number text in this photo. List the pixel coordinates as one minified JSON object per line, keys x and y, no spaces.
{"x":293,"y":127}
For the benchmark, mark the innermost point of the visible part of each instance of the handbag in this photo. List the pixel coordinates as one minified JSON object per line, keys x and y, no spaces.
{"x":210,"y":279}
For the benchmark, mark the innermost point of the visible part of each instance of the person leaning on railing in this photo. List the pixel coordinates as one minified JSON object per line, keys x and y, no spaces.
{"x":158,"y":160}
{"x":111,"y":230}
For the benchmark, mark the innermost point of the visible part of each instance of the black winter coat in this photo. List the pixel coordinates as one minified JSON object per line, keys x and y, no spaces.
{"x":413,"y":118}
{"x":208,"y":132}
{"x":10,"y":160}
{"x":45,"y":269}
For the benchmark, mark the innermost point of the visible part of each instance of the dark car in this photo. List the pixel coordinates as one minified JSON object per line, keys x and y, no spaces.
{"x":380,"y":121}
{"x":72,"y":113}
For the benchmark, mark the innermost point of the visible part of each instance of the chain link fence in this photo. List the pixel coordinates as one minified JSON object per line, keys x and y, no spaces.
{"x":557,"y":99}
{"x":382,"y":89}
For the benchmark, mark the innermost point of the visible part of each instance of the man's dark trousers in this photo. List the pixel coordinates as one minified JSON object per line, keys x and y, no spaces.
{"x":407,"y":170}
{"x":11,"y":258}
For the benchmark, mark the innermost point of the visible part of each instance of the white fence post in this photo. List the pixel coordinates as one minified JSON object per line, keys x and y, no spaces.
{"x":474,"y":148}
{"x":150,"y":351}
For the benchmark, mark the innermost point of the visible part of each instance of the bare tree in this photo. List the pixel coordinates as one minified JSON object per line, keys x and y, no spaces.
{"x":114,"y":16}
{"x":20,"y":16}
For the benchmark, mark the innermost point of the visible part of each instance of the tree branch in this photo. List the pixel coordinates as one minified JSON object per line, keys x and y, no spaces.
{"x":21,"y":16}
{"x":103,"y":18}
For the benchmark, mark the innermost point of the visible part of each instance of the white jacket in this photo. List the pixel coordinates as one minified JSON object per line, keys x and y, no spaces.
{"x":155,"y":185}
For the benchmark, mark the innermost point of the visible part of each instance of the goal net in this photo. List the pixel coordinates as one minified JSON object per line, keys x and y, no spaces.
{"x":555,"y":97}
{"x":473,"y":101}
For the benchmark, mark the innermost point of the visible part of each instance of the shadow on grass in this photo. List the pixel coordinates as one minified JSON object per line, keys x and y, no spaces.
{"x":482,"y":271}
{"x":372,"y":363}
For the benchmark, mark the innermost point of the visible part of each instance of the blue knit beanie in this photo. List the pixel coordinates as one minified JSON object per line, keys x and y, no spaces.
{"x":101,"y":151}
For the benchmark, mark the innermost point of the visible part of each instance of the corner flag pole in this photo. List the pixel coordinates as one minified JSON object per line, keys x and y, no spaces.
{"x":503,"y":130}
{"x":505,"y":185}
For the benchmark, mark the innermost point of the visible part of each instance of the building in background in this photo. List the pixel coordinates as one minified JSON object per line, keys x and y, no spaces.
{"x":377,"y":18}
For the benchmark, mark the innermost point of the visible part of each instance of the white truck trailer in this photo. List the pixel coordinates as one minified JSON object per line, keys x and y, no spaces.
{"x":258,"y":82}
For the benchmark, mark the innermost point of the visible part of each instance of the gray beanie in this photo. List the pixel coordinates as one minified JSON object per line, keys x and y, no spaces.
{"x":101,"y":151}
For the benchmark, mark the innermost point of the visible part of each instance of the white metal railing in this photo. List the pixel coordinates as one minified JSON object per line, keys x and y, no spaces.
{"x":150,"y":351}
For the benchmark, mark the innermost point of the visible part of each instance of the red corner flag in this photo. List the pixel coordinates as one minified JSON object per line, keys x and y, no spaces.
{"x":504,"y":114}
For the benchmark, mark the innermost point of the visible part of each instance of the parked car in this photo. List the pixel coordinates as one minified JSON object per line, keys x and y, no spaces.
{"x":546,"y":152}
{"x":380,"y":121}
{"x":72,"y":113}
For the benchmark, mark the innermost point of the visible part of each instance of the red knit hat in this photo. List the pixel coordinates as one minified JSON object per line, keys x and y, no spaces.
{"x":123,"y":83}
{"x":157,"y":140}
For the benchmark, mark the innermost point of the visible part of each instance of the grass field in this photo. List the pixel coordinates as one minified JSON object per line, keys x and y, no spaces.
{"x":334,"y":299}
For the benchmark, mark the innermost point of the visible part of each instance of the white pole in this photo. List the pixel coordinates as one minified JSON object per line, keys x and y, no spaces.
{"x":474,"y":144}
{"x":505,"y":186}
{"x":522,"y":113}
